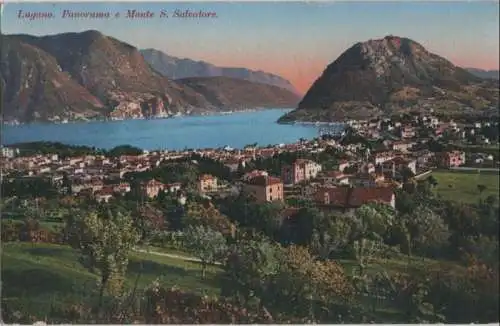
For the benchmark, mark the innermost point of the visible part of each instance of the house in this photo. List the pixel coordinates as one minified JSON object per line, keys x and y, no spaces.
{"x":343,"y":165}
{"x":346,"y":199}
{"x":367,"y":180}
{"x":104,"y":195}
{"x":173,"y":187}
{"x":97,"y":185}
{"x":300,"y":170}
{"x":423,"y":157}
{"x":122,"y":188}
{"x":450,"y":159}
{"x":252,"y":174}
{"x":233,"y":164}
{"x":8,"y":152}
{"x":367,"y":168}
{"x":207,"y":183}
{"x":397,"y":164}
{"x":407,"y":132}
{"x":152,"y":188}
{"x":381,"y":157}
{"x":402,"y":146}
{"x":334,"y":177}
{"x":264,"y":189}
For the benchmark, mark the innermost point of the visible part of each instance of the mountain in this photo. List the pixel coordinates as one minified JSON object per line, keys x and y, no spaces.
{"x":177,"y":68}
{"x":89,"y":75}
{"x":231,"y":93}
{"x":491,"y":74}
{"x":388,"y":75}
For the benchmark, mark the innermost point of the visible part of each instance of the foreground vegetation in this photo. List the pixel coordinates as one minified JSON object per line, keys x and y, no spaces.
{"x":40,"y":277}
{"x":68,"y":259}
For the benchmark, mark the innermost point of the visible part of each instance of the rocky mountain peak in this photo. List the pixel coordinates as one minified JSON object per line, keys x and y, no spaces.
{"x":391,"y":73}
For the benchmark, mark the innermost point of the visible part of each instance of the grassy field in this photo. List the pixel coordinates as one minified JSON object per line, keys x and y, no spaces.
{"x":462,"y":185}
{"x":35,"y":277}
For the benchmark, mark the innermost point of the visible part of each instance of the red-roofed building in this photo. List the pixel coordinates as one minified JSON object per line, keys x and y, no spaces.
{"x":105,"y":194}
{"x":346,"y":198}
{"x":264,"y":189}
{"x":252,"y":174}
{"x":450,"y":159}
{"x":152,"y":188}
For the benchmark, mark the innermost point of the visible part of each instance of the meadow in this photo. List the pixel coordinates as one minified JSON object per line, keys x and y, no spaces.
{"x":462,"y":186}
{"x":39,"y":277}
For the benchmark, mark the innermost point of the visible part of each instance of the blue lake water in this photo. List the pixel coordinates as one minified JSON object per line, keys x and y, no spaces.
{"x":235,"y":130}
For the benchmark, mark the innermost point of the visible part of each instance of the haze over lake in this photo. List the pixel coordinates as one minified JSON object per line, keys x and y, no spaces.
{"x":234,"y":130}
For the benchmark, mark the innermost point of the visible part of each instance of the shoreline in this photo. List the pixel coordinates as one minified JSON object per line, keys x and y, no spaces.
{"x":109,"y":119}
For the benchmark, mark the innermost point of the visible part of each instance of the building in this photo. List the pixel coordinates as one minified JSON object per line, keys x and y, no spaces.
{"x":334,"y":178}
{"x":346,"y":199}
{"x":301,"y":170}
{"x":264,"y":189}
{"x":252,"y":174}
{"x":397,"y":164}
{"x":122,"y":188}
{"x":381,"y":157}
{"x":343,"y":165}
{"x":367,"y":180}
{"x":9,"y":152}
{"x":407,"y":132}
{"x":104,"y":194}
{"x":450,"y":159}
{"x":152,"y":188}
{"x":207,"y":183}
{"x":402,"y":146}
{"x":173,"y":187}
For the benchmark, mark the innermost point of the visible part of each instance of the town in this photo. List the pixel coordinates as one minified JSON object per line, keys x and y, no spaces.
{"x":350,"y":208}
{"x":366,"y":162}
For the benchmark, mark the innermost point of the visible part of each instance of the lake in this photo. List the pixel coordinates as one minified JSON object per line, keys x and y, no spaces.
{"x":213,"y":131}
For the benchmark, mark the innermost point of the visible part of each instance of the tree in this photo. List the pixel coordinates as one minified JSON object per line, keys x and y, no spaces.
{"x":311,"y":285}
{"x":305,"y":223}
{"x":424,"y":231}
{"x":372,"y":221}
{"x":250,"y":264}
{"x":206,"y":214}
{"x":432,"y":181}
{"x":124,"y":150}
{"x":148,"y":219}
{"x":104,"y":242}
{"x":206,"y":244}
{"x":481,"y":189}
{"x":328,"y":241}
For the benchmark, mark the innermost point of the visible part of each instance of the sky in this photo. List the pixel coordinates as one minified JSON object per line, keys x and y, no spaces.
{"x":295,"y":40}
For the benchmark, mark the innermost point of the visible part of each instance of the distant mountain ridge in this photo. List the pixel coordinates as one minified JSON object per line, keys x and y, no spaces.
{"x":179,"y":68}
{"x":389,"y":75}
{"x":89,"y":75}
{"x":493,"y":74}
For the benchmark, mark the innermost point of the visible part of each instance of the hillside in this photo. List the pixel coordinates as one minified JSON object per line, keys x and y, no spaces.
{"x":179,"y":68}
{"x":492,"y":74}
{"x":90,"y":75}
{"x":389,"y":75}
{"x":232,"y":93}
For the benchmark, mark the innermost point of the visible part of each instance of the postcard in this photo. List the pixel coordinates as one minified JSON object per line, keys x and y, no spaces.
{"x":249,"y":162}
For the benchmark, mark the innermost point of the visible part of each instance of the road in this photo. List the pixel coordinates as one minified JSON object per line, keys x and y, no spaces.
{"x":175,"y":256}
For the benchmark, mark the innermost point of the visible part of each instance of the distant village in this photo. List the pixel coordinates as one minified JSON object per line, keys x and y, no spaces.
{"x":364,"y":174}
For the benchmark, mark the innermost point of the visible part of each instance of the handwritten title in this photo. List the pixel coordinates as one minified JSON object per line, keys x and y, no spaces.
{"x":129,"y":14}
